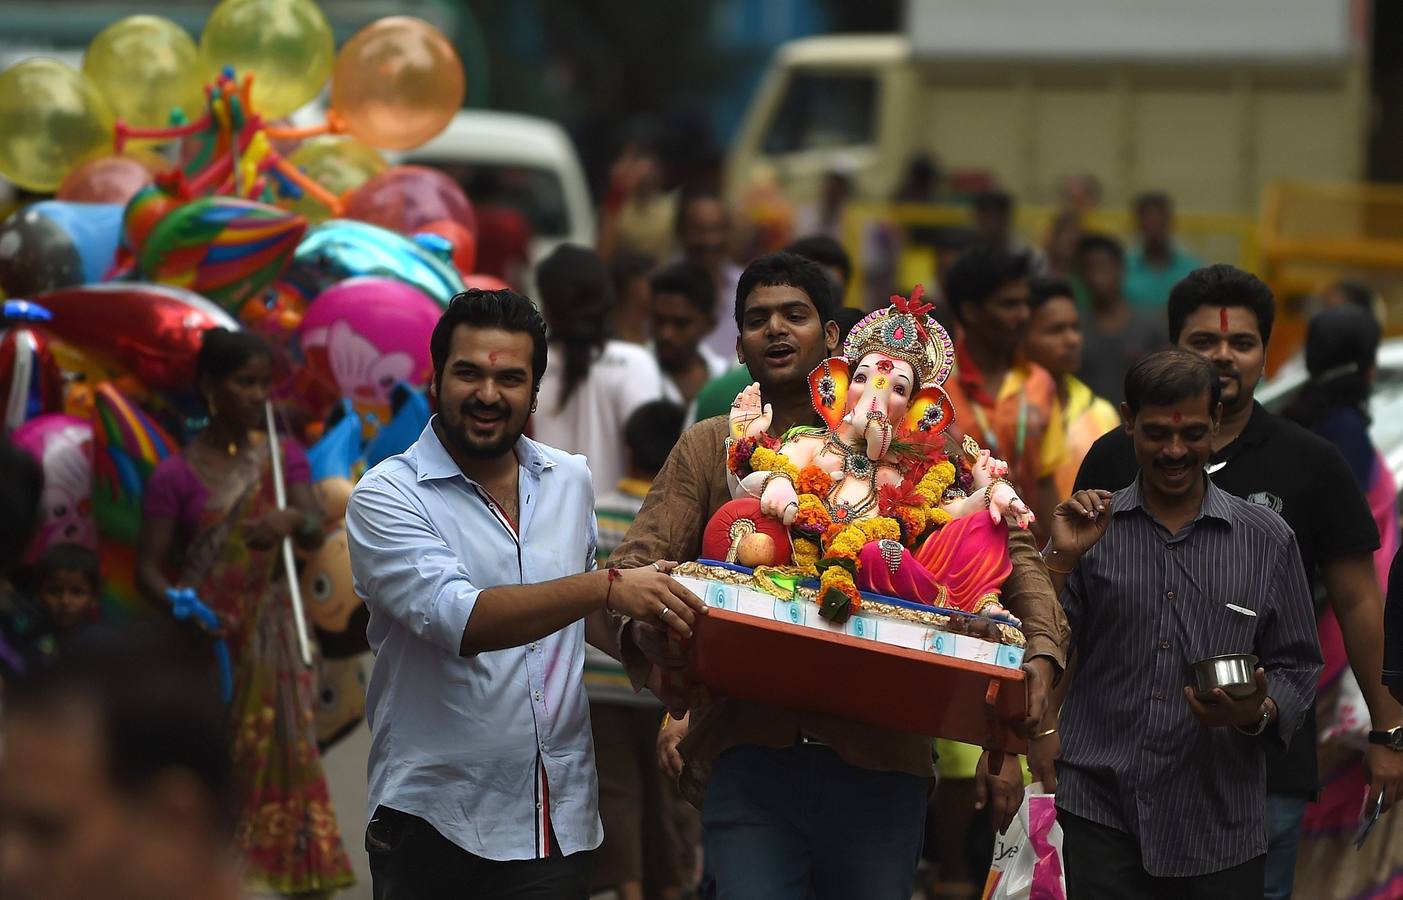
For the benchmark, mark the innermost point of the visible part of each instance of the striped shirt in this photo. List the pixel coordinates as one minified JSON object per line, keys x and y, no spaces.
{"x":1144,"y":605}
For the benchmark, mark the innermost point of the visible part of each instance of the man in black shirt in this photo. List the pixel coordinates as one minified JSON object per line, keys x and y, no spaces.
{"x":1225,"y":315}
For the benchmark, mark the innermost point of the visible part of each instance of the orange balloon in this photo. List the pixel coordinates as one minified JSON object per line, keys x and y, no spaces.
{"x":107,"y":179}
{"x":464,"y":244}
{"x":397,"y":83}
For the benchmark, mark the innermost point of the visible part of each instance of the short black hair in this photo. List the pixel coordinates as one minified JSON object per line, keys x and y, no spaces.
{"x":1043,"y":288}
{"x":1103,"y":242}
{"x":156,"y":701}
{"x":993,"y":201}
{"x":1157,"y":199}
{"x":502,"y":309}
{"x":846,"y":317}
{"x":652,"y":431}
{"x":980,"y":271}
{"x":689,"y":280}
{"x":783,"y":268}
{"x":1220,"y":285}
{"x":20,"y":491}
{"x":1169,"y":376}
{"x":68,"y":557}
{"x":626,"y":266}
{"x":825,"y":251}
{"x":223,"y":352}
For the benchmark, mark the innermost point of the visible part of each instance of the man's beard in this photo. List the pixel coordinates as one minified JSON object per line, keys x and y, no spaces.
{"x":455,"y":434}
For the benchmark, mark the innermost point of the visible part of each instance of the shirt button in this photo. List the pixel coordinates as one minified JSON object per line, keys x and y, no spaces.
{"x":1158,"y":695}
{"x":1169,"y":595}
{"x":543,"y":745}
{"x":538,"y":804}
{"x":1164,"y":645}
{"x":533,"y":646}
{"x":538,"y":695}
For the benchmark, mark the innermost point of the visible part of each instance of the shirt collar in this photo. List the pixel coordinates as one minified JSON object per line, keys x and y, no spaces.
{"x":432,"y":460}
{"x":1215,"y":502}
{"x":1079,"y":395}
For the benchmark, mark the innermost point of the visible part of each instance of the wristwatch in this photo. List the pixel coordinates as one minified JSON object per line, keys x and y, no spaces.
{"x":1392,"y":738}
{"x":1262,"y":723}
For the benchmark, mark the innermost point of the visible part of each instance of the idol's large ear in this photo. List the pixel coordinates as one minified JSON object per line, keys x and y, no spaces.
{"x":930,"y":413}
{"x":828,"y":389}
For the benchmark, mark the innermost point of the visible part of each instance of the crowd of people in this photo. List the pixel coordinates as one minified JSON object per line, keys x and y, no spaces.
{"x":576,"y":456}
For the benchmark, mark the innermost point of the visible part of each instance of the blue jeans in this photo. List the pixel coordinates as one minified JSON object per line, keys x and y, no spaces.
{"x":1284,"y":814}
{"x":798,"y":823}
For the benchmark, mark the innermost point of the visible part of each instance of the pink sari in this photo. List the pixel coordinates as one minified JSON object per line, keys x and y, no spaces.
{"x":1328,"y":866}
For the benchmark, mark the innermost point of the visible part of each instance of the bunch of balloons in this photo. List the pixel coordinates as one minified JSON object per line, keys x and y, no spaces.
{"x":395,"y":84}
{"x":184,"y":202}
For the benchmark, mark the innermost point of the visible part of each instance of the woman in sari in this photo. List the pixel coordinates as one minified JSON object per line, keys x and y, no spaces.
{"x":1341,"y":344}
{"x":211,"y":520}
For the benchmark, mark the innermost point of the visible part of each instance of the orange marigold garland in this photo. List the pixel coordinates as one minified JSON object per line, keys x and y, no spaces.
{"x":812,"y":520}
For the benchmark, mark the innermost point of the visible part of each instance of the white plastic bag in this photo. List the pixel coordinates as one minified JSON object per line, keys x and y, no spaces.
{"x":1028,"y":859}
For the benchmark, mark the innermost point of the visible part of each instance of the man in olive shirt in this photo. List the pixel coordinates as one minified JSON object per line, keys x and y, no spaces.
{"x":801,"y":804}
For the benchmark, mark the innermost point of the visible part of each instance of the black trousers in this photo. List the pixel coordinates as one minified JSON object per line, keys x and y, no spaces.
{"x":410,"y":860}
{"x":1104,"y":864}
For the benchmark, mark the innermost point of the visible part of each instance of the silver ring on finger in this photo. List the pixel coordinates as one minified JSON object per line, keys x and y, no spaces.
{"x":662,"y":613}
{"x":657,"y":567}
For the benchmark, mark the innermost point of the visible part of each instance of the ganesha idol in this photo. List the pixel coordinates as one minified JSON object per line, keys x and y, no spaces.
{"x":877,"y":499}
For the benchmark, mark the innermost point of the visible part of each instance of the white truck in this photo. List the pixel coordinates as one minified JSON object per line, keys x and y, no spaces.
{"x":1209,"y":100}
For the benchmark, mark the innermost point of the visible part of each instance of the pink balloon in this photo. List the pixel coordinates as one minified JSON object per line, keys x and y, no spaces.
{"x":108,"y":179}
{"x":63,"y":445}
{"x":366,"y":334}
{"x":406,"y":198}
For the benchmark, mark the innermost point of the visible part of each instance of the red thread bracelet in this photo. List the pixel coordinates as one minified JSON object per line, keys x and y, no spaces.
{"x":614,"y":575}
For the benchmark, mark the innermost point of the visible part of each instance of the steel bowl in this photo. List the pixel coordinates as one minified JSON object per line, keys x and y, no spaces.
{"x":1234,"y":673}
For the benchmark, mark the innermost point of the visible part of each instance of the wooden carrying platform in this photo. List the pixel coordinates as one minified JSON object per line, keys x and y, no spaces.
{"x":796,"y":667}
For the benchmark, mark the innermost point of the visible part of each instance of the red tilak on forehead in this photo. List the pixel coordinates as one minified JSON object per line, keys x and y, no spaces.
{"x":1223,"y":319}
{"x":1178,"y":416}
{"x":492,"y":357}
{"x":884,"y":365}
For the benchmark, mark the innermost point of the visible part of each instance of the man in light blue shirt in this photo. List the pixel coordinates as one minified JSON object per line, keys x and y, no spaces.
{"x":474,"y":550}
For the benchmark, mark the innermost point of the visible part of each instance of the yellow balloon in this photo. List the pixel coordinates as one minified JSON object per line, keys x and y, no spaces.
{"x":51,"y":116}
{"x":286,"y":45}
{"x":147,"y":67}
{"x":337,"y":162}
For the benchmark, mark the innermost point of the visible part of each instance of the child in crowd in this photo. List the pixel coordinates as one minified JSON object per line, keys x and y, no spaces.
{"x":66,"y":582}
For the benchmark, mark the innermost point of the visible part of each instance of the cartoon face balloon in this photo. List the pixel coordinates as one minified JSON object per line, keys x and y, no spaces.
{"x":63,"y":446}
{"x":326,"y":585}
{"x":368,"y":334}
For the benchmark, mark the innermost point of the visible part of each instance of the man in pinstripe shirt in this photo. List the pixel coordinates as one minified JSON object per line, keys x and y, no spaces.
{"x":1161,"y":794}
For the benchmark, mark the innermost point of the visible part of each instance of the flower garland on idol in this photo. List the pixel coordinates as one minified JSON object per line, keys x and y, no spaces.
{"x":827,"y":539}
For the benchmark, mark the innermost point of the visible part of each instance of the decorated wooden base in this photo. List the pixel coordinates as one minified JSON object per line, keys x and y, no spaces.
{"x":894,"y":664}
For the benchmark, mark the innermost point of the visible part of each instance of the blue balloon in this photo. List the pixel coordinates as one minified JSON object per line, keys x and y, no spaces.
{"x":342,"y":248}
{"x":55,"y":244}
{"x":411,"y":414}
{"x":96,"y":230}
{"x":335,"y":455}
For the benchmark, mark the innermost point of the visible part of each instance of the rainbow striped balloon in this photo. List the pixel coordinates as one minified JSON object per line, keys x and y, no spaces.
{"x":127,"y":446}
{"x":225,"y":248}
